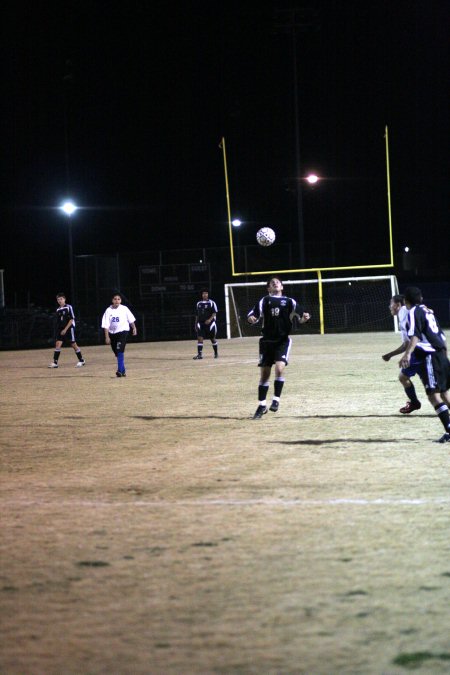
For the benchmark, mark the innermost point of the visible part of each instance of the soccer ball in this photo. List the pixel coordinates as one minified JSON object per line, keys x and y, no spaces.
{"x":265,"y":236}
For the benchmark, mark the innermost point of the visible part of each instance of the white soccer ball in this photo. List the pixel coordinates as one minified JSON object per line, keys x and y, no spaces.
{"x":265,"y":236}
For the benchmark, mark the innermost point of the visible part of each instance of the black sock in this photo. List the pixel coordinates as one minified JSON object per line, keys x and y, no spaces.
{"x":411,"y":394}
{"x":443,"y":414}
{"x":56,"y":354}
{"x":278,"y":386}
{"x":78,"y":353}
{"x":214,"y":344}
{"x":199,"y":348}
{"x":262,"y":391}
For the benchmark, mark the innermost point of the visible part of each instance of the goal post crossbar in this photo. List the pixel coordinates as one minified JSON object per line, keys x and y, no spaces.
{"x":312,"y":269}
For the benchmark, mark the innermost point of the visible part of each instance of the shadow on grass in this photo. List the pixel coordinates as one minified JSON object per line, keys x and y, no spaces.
{"x":151,"y":418}
{"x":269,"y":416}
{"x":329,"y":441}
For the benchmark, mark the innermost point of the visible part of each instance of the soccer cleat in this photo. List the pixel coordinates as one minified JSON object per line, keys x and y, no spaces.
{"x":197,"y":358}
{"x":409,"y":407}
{"x":216,"y":356}
{"x":275,"y":405}
{"x":53,"y":365}
{"x":444,"y":439}
{"x":80,"y":364}
{"x":118,"y":373}
{"x":260,"y":411}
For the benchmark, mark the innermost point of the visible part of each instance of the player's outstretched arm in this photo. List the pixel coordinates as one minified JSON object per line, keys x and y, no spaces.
{"x":399,"y":350}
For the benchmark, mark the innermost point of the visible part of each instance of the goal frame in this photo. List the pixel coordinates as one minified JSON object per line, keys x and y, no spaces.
{"x":299,"y":282}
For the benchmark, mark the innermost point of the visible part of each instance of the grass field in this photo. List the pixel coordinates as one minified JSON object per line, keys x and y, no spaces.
{"x":149,"y":525}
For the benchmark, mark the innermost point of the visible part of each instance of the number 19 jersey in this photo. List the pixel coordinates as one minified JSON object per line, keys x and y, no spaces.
{"x":276,"y":312}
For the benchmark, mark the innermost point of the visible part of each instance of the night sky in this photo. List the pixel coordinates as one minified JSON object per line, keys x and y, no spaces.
{"x":123,"y":108}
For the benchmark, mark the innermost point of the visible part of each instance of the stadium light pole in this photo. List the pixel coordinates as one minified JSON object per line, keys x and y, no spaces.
{"x":69,"y":209}
{"x":294,"y":21}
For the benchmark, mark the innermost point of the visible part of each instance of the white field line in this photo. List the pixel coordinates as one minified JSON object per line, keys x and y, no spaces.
{"x":235,"y":502}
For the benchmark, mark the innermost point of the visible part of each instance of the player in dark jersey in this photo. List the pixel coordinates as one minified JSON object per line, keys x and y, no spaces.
{"x":429,"y":347}
{"x":65,"y":331}
{"x":398,"y":308}
{"x":276,"y":311}
{"x":205,"y":324}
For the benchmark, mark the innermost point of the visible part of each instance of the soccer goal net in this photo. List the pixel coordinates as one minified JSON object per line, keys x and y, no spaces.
{"x":352,"y":304}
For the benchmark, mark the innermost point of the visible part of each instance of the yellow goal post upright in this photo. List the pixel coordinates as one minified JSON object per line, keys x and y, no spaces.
{"x":230,"y":299}
{"x":318,"y":270}
{"x":345,"y":304}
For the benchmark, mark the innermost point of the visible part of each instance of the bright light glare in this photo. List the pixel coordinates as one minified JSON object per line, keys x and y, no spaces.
{"x":312,"y":178}
{"x":406,"y":249}
{"x":68,"y":208}
{"x":236,"y":222}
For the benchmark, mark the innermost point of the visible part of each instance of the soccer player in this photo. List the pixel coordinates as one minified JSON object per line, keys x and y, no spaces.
{"x":116,"y":322}
{"x":65,"y":331}
{"x":428,"y":345}
{"x":398,"y":309}
{"x":276,"y":312}
{"x":205,"y":324}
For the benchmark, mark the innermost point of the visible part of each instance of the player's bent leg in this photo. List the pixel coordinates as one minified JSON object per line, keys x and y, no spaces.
{"x":413,"y":403}
{"x":442,"y":411}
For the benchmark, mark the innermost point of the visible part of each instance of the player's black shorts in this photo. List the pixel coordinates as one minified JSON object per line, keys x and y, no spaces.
{"x":434,"y":371}
{"x":118,"y":341}
{"x":68,"y":338}
{"x":270,"y":352}
{"x":207,"y":331}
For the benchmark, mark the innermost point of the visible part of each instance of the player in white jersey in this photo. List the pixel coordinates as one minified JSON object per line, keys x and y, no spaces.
{"x":398,"y":309}
{"x":65,"y":331}
{"x":116,"y":322}
{"x":427,"y":343}
{"x":205,"y":324}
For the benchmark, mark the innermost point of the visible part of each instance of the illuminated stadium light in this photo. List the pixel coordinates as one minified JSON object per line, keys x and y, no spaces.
{"x":69,"y":208}
{"x":236,"y":222}
{"x":312,"y":179}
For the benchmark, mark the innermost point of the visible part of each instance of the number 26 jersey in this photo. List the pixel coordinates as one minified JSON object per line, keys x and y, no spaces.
{"x":117,"y":319}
